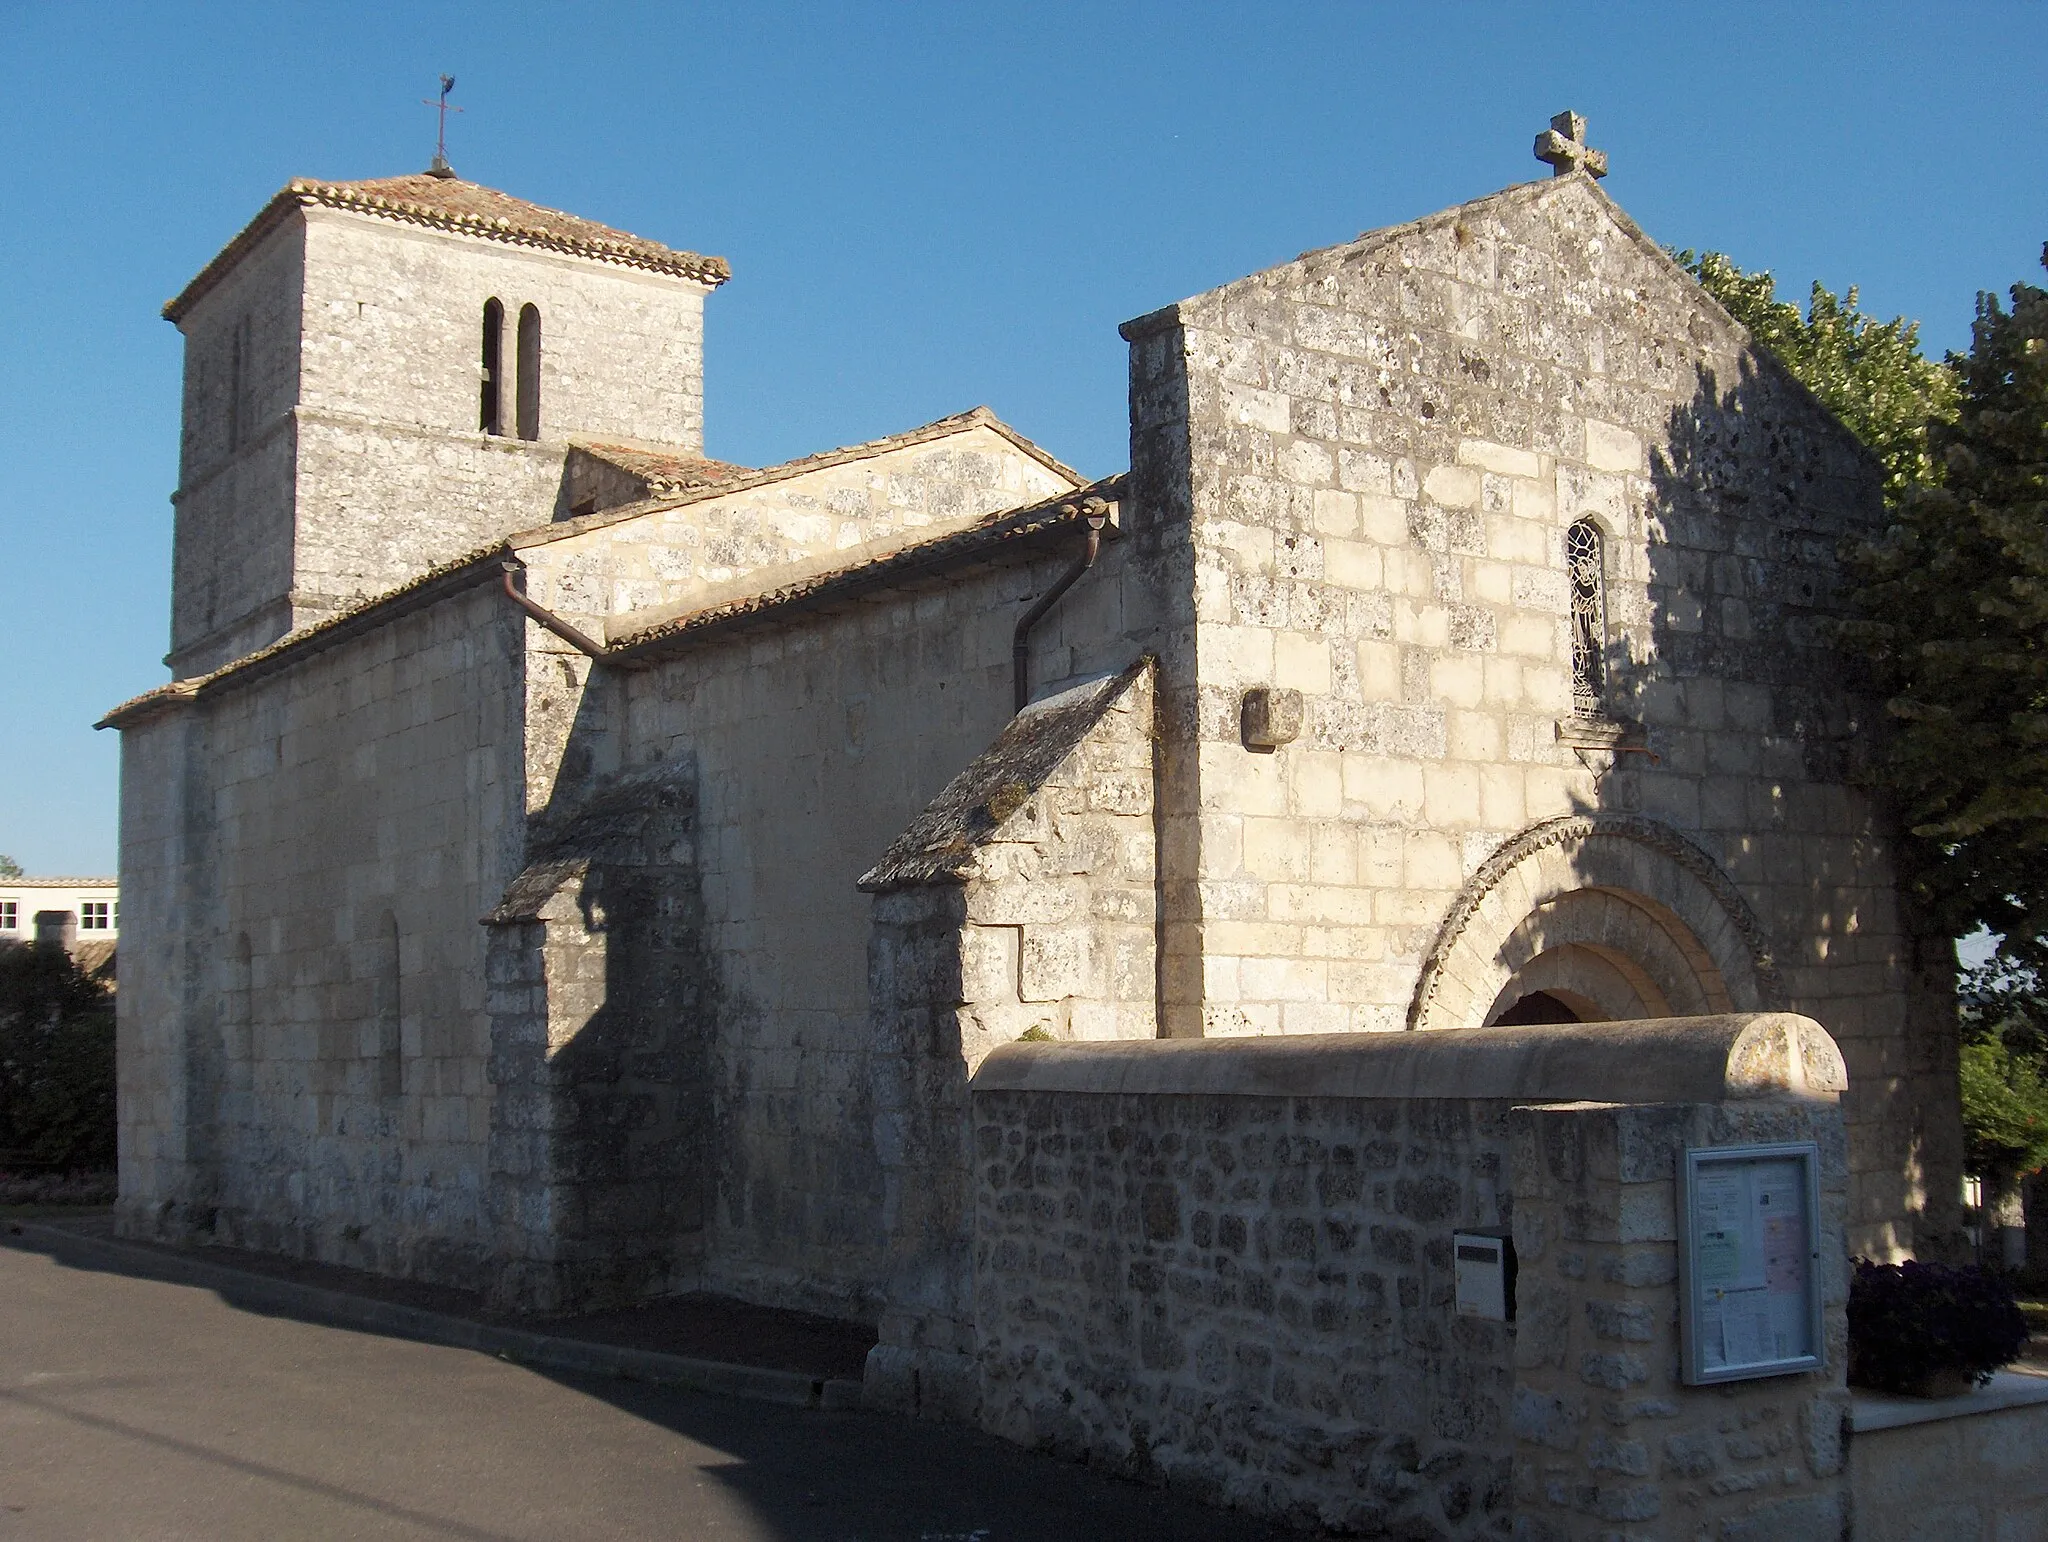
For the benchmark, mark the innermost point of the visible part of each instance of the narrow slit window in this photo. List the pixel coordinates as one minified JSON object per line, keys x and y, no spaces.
{"x":390,"y":1060}
{"x":529,"y":372}
{"x":1585,"y":562}
{"x":491,"y":415}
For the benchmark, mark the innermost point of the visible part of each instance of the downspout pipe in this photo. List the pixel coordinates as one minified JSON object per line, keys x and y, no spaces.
{"x":1096,"y":512}
{"x":548,"y":618}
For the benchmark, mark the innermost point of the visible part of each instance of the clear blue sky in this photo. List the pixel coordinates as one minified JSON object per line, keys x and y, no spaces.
{"x":925,"y":207}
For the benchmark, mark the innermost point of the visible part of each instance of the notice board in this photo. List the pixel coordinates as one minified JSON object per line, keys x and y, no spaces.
{"x":1749,"y":1261}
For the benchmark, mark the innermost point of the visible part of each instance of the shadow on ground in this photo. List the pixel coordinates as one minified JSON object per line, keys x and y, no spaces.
{"x":819,"y":1476}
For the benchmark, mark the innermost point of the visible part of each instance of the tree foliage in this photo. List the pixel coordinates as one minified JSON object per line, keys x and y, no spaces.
{"x":1953,"y":595}
{"x":1870,"y":373}
{"x":1955,"y":601}
{"x":56,"y":1061}
{"x":2004,"y":1070}
{"x":9,"y":868}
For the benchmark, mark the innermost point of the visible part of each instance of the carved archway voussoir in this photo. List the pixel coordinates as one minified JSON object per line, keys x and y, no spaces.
{"x":1668,"y":896}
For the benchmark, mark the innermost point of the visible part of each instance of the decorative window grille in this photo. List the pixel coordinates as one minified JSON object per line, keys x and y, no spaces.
{"x":1585,"y":563}
{"x":94,"y":916}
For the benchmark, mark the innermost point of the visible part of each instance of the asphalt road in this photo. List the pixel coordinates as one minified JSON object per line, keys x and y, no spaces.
{"x":135,"y":1409}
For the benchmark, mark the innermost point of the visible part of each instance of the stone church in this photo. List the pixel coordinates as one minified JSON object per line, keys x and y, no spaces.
{"x":571,"y":867}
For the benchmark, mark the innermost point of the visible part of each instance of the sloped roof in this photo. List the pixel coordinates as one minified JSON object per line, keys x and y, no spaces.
{"x":665,"y":472}
{"x":744,"y":480}
{"x":467,"y":208}
{"x":991,"y":532}
{"x":902,"y":565}
{"x":939,"y":845}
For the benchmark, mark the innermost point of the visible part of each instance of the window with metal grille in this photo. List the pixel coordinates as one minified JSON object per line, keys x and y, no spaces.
{"x":1585,"y":562}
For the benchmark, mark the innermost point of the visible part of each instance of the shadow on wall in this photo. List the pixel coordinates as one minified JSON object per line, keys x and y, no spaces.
{"x":1767,"y":734}
{"x":601,"y":1125}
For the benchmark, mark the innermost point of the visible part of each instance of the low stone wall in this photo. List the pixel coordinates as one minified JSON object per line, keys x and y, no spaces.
{"x":1969,"y":1469}
{"x":1249,"y":1297}
{"x":1227,"y":1266}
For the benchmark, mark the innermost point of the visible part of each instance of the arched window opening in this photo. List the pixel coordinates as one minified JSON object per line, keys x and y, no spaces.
{"x":529,"y":372}
{"x":1585,"y":562}
{"x":491,"y":416}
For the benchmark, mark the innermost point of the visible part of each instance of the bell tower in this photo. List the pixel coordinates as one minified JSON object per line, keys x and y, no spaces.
{"x":383,"y":376}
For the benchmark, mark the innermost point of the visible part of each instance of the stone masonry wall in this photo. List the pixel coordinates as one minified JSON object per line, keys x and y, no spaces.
{"x":1046,"y":931}
{"x":396,"y":475}
{"x":1378,"y":449}
{"x":308,"y":855}
{"x":1249,"y":1298}
{"x":1979,"y":1478}
{"x":231,"y":566}
{"x":1609,"y":1442}
{"x":351,"y":459}
{"x":1251,"y":1295}
{"x":815,"y":741}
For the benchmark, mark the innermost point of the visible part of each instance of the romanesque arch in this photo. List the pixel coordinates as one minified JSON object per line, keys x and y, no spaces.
{"x":1606,"y":916}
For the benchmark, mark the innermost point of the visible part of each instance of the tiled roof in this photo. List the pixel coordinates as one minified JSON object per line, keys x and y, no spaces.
{"x":477,"y":566}
{"x":743,"y":480}
{"x":59,"y":883}
{"x":468,"y":208}
{"x":940,"y":844}
{"x":665,"y":472}
{"x":904,"y":565}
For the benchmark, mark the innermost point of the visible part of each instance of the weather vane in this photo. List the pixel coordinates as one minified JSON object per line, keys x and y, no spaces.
{"x":441,"y":168}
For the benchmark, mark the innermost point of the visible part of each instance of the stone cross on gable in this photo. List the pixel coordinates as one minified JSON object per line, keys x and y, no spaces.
{"x":1564,"y":145}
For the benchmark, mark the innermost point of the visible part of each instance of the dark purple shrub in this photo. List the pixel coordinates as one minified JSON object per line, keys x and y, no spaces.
{"x":1912,"y":1321}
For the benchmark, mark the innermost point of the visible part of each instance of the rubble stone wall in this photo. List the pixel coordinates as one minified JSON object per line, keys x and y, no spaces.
{"x":1189,"y":1272}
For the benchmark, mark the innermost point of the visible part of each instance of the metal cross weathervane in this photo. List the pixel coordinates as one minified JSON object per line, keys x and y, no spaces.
{"x":441,"y":168}
{"x":1564,"y":146}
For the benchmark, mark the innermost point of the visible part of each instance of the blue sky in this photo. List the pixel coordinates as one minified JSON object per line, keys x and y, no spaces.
{"x":925,"y":207}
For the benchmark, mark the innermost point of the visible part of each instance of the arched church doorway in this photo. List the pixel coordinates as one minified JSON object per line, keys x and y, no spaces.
{"x":1594,"y":918}
{"x":1539,"y":1007}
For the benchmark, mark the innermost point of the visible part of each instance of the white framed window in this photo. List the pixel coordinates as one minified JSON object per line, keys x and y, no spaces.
{"x":95,"y":916}
{"x":10,"y":915}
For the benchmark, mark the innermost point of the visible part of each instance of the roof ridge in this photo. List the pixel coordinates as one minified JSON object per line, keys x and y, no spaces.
{"x":994,"y":528}
{"x":973,"y":417}
{"x":385,"y":198}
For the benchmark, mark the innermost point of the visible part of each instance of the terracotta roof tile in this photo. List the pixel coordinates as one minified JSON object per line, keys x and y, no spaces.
{"x":665,"y":472}
{"x":469,"y":208}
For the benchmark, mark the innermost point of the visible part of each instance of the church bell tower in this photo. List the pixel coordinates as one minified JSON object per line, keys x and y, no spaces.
{"x":383,"y":376}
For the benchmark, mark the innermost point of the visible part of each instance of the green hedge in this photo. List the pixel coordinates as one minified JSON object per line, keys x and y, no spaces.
{"x":56,"y":1062}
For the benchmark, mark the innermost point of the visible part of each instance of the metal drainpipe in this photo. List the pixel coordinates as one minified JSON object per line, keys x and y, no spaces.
{"x":1097,"y":514}
{"x":548,"y":618}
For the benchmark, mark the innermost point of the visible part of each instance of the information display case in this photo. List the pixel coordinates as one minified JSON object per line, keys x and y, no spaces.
{"x":1749,"y":1262}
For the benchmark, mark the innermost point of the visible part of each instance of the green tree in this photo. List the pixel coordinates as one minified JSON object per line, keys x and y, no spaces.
{"x":9,"y":868}
{"x":1955,"y":607}
{"x":2004,"y":1081}
{"x":56,"y":1061}
{"x":1871,"y":374}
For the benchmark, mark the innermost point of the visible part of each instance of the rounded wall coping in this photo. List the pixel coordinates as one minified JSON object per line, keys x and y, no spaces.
{"x":1661,"y":1060}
